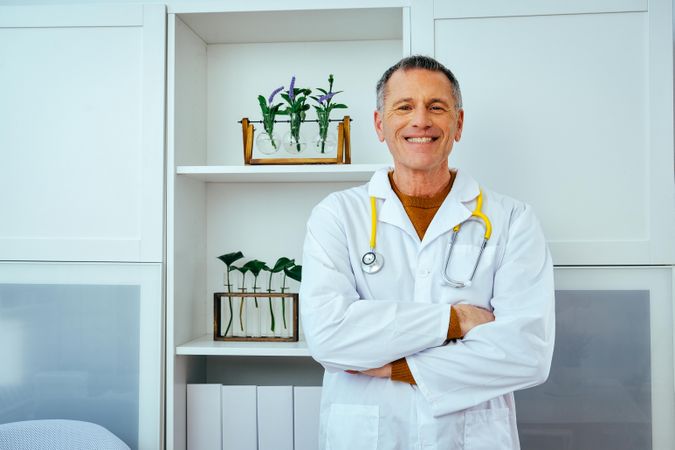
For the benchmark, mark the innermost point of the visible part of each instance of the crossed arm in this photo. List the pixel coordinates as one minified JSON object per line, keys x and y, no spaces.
{"x":467,"y":317}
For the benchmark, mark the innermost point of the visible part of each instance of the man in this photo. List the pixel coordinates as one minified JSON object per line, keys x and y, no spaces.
{"x":414,"y":357}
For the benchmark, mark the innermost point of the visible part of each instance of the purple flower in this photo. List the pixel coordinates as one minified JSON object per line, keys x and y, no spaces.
{"x":274,"y":92}
{"x":326,"y":97}
{"x":291,"y":94}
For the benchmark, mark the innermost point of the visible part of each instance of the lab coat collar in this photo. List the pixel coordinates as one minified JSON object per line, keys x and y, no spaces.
{"x":391,"y":210}
{"x":453,"y":210}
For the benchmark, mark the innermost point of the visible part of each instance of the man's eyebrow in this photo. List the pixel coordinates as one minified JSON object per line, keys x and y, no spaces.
{"x":439,"y":100}
{"x":403,"y":100}
{"x":431,"y":101}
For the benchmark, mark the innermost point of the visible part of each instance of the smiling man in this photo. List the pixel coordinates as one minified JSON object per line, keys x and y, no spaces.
{"x":427,"y":298}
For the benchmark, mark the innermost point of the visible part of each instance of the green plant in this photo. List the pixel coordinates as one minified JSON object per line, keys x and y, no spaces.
{"x":324,"y":109}
{"x":255,"y":267}
{"x":296,"y":110}
{"x":294,"y":273}
{"x":281,"y":264}
{"x":243,"y":271}
{"x":228,"y":259}
{"x":269,"y":112}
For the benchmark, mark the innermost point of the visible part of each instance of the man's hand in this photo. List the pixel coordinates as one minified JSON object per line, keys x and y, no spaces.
{"x":380,"y":372}
{"x":471,"y":316}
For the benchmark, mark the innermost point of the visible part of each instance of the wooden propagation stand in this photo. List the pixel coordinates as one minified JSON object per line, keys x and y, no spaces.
{"x":254,"y":335}
{"x":343,"y":147}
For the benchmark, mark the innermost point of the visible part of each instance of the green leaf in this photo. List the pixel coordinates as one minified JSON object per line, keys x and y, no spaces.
{"x":229,"y":258}
{"x":243,"y":269}
{"x":295,"y":273}
{"x":255,"y":266}
{"x":323,"y":91}
{"x":283,"y":263}
{"x":263,"y":103}
{"x":339,"y":106}
{"x":304,"y":108}
{"x":286,"y":97}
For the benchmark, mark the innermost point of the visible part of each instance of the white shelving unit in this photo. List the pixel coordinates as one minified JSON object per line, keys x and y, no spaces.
{"x":205,"y":345}
{"x":218,"y":63}
{"x":221,"y":55}
{"x":280,"y":174}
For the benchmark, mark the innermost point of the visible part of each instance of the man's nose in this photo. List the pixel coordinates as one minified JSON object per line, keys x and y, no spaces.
{"x":421,"y":118}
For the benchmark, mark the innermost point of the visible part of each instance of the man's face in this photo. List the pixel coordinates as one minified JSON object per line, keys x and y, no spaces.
{"x":419,"y":120}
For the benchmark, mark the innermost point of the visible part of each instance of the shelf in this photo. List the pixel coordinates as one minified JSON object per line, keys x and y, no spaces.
{"x":281,"y":174}
{"x":355,"y":24}
{"x":205,"y":345}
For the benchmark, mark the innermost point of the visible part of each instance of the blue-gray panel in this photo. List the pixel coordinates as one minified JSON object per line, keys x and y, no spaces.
{"x":598,"y":395}
{"x":71,"y":352}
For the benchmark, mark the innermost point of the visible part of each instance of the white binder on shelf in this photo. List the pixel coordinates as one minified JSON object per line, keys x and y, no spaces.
{"x":306,"y":405}
{"x":240,"y":431}
{"x":203,"y":417}
{"x":275,"y":418}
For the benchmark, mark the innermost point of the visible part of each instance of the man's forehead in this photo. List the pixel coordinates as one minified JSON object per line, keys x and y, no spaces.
{"x":418,"y":82}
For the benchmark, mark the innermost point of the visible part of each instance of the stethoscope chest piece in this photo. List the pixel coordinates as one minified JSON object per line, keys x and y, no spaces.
{"x":372,"y":262}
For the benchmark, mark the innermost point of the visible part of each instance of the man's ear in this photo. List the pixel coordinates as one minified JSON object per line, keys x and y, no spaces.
{"x":377,"y":119}
{"x":460,"y":125}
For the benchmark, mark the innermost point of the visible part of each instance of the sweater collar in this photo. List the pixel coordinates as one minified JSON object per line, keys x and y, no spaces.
{"x":453,"y":210}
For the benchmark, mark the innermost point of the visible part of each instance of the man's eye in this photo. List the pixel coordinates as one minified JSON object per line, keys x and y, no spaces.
{"x":437,"y":108}
{"x":404,"y":108}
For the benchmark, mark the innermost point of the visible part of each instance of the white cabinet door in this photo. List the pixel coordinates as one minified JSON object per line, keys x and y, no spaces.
{"x":82,"y":132}
{"x":82,"y":341}
{"x":569,"y":106}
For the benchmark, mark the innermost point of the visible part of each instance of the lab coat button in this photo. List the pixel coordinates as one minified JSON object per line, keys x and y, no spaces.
{"x":423,"y":272}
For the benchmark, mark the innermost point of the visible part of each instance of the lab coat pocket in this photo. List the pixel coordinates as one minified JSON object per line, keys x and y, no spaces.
{"x":460,"y":269}
{"x":464,"y":258}
{"x":488,"y":429}
{"x":352,"y":427}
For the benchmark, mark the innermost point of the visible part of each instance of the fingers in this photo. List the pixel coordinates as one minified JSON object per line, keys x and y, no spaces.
{"x":471,"y":316}
{"x":380,"y":372}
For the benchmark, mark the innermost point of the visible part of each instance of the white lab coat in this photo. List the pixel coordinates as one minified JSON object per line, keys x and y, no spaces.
{"x":464,"y":393}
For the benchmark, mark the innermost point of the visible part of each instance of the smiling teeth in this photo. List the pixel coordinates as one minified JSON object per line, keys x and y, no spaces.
{"x":419,"y":140}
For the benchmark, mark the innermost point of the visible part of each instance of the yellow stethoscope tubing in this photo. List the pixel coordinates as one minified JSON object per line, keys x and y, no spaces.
{"x":477,"y":215}
{"x":373,"y":223}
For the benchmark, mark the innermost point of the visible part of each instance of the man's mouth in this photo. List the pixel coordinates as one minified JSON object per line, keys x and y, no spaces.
{"x":420,"y":140}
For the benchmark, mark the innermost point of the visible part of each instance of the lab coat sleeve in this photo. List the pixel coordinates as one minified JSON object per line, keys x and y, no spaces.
{"x":346,"y":332}
{"x":513,"y":352}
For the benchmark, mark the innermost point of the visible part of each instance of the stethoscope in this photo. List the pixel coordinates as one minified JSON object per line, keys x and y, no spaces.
{"x":372,"y":262}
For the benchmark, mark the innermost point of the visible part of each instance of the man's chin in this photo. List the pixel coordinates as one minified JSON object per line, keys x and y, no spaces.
{"x":427,"y":165}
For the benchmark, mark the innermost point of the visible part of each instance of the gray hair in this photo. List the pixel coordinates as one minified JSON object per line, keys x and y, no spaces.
{"x":418,"y":62}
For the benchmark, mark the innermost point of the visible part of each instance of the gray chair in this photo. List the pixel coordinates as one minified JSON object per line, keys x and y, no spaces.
{"x":57,"y":435}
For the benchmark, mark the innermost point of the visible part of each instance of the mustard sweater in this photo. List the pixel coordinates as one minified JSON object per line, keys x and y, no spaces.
{"x":421,"y":211}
